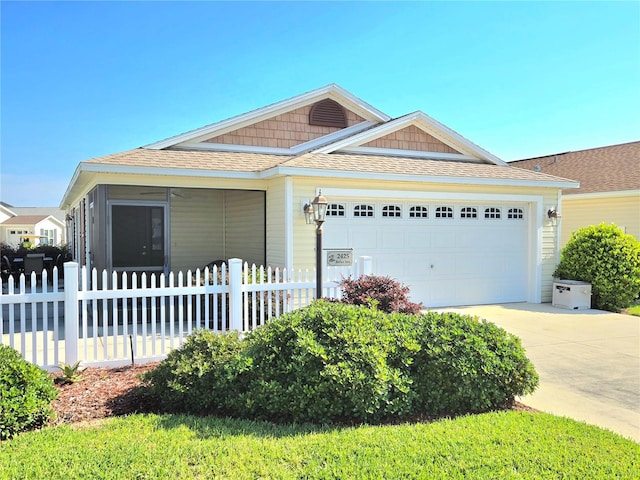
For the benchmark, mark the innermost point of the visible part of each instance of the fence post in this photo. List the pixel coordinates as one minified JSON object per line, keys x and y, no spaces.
{"x":365,"y":266}
{"x":70,"y":313}
{"x":235,"y":294}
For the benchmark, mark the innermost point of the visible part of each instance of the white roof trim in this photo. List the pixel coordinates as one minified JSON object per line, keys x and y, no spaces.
{"x":332,"y":91}
{"x":424,"y":122}
{"x":295,"y":150}
{"x":164,"y":171}
{"x":393,"y":152}
{"x":9,"y":211}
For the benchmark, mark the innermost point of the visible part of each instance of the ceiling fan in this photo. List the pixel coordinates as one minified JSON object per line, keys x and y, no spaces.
{"x":172,"y":192}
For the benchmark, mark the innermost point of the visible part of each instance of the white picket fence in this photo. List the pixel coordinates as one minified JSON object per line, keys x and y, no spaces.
{"x":110,"y":320}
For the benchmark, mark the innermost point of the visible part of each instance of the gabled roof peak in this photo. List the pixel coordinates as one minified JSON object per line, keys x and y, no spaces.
{"x":332,"y":90}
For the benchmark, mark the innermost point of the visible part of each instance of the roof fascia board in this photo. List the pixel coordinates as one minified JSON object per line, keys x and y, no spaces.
{"x":8,"y":211}
{"x":439,"y":129}
{"x":305,"y":172}
{"x":163,"y":171}
{"x":295,"y":150}
{"x":408,"y":153}
{"x":597,"y":195}
{"x":232,"y":147}
{"x":52,"y":219}
{"x":219,"y":128}
{"x":74,"y":179}
{"x":422,"y":121}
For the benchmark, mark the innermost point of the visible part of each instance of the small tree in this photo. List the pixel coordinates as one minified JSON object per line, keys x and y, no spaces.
{"x":606,"y":257}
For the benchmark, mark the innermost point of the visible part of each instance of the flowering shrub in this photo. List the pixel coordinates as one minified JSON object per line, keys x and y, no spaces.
{"x":383,"y":293}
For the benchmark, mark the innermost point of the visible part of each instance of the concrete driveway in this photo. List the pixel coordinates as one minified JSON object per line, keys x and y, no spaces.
{"x":588,"y":361}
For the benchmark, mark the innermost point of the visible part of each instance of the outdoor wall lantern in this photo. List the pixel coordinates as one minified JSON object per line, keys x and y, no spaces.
{"x":553,"y":215}
{"x":315,"y":212}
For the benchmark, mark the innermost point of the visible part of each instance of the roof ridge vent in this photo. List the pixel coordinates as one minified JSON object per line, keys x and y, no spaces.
{"x":328,"y":113}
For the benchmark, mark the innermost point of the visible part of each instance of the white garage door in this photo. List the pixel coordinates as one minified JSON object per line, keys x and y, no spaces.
{"x":447,"y":253}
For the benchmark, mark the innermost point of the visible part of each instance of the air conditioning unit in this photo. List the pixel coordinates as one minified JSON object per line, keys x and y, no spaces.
{"x":571,"y":294}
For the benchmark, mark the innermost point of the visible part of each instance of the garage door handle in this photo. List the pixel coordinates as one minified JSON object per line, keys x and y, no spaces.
{"x":431,"y":266}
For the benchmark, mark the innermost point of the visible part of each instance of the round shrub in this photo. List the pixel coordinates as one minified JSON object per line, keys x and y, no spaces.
{"x":338,"y":363}
{"x":606,"y":257}
{"x":383,"y":293}
{"x":26,"y":393}
{"x":329,"y":362}
{"x":197,"y":377}
{"x":466,"y":365}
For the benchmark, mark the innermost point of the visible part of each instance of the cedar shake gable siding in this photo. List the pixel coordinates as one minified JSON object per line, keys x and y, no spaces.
{"x":411,"y":138}
{"x":282,"y":131}
{"x":606,"y":169}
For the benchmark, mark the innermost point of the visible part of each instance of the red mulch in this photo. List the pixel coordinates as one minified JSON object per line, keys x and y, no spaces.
{"x":108,"y":392}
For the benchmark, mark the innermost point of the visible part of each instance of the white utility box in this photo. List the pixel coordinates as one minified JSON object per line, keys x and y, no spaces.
{"x":571,"y":294}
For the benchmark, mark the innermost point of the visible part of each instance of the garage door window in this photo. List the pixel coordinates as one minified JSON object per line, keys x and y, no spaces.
{"x":363,"y":211}
{"x":515,"y":214}
{"x":393,"y":211}
{"x":335,"y":210}
{"x":492,"y":212}
{"x":444,"y":212}
{"x":418,"y":211}
{"x":469,"y":212}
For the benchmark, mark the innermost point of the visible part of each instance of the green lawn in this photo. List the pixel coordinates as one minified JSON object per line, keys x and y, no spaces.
{"x":633,"y":310}
{"x":495,"y":445}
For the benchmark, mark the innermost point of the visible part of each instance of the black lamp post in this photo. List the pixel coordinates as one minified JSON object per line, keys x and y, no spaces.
{"x":315,"y":212}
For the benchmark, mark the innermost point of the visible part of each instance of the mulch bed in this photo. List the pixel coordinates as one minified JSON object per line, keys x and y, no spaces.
{"x":101,"y":393}
{"x":109,"y":392}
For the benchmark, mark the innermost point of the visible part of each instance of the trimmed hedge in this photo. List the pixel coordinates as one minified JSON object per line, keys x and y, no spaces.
{"x":338,"y":363}
{"x":198,"y":376}
{"x":26,"y":393}
{"x":609,"y":259}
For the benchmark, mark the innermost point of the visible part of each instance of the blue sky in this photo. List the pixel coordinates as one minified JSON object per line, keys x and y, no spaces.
{"x":84,"y":79}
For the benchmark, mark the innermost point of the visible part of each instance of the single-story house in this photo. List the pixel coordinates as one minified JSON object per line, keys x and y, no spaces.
{"x":433,"y":210}
{"x":35,"y":225}
{"x":609,"y":186}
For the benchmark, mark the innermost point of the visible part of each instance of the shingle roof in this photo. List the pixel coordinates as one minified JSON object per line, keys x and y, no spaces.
{"x":413,"y":166}
{"x":191,"y":159}
{"x":374,"y":164}
{"x":604,"y":169}
{"x":24,"y":220}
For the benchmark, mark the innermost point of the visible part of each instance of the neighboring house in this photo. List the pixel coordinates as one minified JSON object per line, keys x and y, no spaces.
{"x":35,"y":225}
{"x":609,"y":186}
{"x":434,"y":210}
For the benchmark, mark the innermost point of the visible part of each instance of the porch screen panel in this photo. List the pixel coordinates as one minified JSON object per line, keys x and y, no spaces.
{"x":137,"y":236}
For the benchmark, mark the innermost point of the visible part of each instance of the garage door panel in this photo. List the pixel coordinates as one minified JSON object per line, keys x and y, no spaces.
{"x":364,"y":237}
{"x":443,"y":237}
{"x":418,"y":238}
{"x":392,"y":239}
{"x":443,"y":261}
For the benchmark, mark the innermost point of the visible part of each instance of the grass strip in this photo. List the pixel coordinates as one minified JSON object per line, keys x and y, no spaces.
{"x":495,"y":445}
